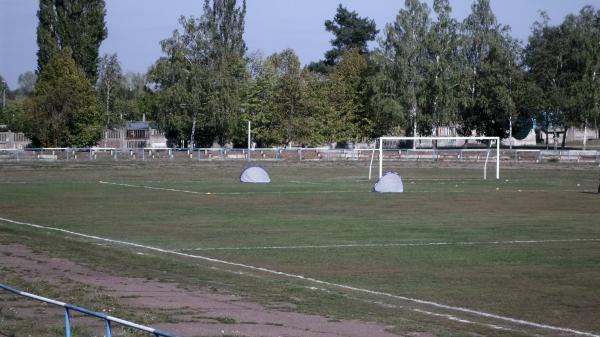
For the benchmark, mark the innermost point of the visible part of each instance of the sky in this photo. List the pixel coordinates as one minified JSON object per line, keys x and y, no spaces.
{"x":135,"y":27}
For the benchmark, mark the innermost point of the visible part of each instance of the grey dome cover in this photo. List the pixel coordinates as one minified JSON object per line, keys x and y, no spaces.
{"x":391,"y":182}
{"x":255,"y":174}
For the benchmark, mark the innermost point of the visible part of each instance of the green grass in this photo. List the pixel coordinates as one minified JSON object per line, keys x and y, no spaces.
{"x":310,"y":204}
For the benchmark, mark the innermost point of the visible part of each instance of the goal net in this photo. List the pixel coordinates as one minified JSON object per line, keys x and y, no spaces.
{"x":386,"y":147}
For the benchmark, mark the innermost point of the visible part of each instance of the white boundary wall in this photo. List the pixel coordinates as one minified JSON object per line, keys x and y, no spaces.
{"x":414,"y":139}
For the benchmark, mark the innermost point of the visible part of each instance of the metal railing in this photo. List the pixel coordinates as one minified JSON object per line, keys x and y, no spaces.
{"x":298,"y":154}
{"x":69,"y":307}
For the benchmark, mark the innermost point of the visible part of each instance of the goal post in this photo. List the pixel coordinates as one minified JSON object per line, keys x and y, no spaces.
{"x":414,"y":139}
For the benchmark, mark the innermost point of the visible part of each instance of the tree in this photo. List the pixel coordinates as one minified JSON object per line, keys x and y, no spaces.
{"x":110,"y":86}
{"x":276,"y":98}
{"x":65,"y":110}
{"x":27,"y":82}
{"x":77,"y":24}
{"x":262,"y":104}
{"x":202,"y":79}
{"x":544,"y":56}
{"x":583,"y":64}
{"x":14,"y":116}
{"x":491,"y":60}
{"x":134,"y":98}
{"x":347,"y":118}
{"x":442,"y":92}
{"x":564,"y":62}
{"x":405,"y":60}
{"x":351,"y":32}
{"x":5,"y":91}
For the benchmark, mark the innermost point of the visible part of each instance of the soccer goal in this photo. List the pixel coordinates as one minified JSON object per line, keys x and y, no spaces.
{"x":383,"y":144}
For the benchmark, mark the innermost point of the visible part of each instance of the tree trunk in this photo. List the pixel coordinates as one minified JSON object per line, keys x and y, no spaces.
{"x":564,"y":140}
{"x":415,"y":133}
{"x":510,"y":138}
{"x":107,"y":104}
{"x":193,"y":133}
{"x":584,"y":135}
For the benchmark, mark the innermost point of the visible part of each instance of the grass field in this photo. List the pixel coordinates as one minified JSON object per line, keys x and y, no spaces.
{"x":526,"y":247}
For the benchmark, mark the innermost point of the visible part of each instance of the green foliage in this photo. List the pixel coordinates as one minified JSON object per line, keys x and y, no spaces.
{"x":27,"y":82}
{"x":77,"y":24}
{"x":442,"y":92}
{"x":404,"y":63}
{"x":110,"y":88}
{"x":275,"y":100}
{"x":347,"y":118}
{"x":351,"y":32}
{"x":201,"y":80}
{"x":564,"y":62}
{"x":492,"y":73}
{"x":14,"y":116}
{"x":65,"y":110}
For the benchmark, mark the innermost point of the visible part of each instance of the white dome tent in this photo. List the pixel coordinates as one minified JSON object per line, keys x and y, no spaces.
{"x":391,"y":182}
{"x":256,"y":175}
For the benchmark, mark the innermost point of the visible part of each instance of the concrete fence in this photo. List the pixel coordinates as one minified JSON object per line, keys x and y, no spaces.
{"x":295,"y":154}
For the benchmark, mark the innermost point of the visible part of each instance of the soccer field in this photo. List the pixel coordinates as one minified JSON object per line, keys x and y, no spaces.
{"x":453,"y":255}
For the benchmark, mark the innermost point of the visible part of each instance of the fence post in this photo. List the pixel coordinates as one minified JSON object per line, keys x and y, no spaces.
{"x":108,"y":329}
{"x":67,"y":323}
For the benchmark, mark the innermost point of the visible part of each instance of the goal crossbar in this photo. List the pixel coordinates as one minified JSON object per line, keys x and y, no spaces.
{"x":495,"y":139}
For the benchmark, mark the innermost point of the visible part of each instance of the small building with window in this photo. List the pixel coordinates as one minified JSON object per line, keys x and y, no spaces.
{"x":133,"y":135}
{"x":12,"y":140}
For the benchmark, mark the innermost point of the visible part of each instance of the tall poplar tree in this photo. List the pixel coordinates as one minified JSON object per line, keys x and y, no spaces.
{"x":77,"y":24}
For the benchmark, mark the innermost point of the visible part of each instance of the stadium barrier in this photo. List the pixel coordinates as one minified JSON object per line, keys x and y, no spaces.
{"x":69,"y":307}
{"x":296,"y":154}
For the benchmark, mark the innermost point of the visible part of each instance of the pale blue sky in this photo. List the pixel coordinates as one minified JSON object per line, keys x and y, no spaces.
{"x":135,"y":27}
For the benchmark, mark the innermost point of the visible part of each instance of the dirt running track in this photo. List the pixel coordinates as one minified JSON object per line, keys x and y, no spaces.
{"x":195,"y":311}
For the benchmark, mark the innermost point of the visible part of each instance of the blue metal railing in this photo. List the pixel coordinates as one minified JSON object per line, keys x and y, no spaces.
{"x":69,"y":307}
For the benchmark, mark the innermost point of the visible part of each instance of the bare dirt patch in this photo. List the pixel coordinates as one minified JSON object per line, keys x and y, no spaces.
{"x":191,"y":313}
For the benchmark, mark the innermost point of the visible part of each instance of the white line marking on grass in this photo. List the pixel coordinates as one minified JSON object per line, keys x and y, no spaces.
{"x":314,"y":280}
{"x":460,"y":320}
{"x":305,"y":192}
{"x":355,"y":245}
{"x":166,"y":189}
{"x":307,"y":182}
{"x":223,"y":193}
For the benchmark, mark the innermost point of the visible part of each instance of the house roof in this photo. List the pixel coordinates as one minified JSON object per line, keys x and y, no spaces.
{"x":138,"y":126}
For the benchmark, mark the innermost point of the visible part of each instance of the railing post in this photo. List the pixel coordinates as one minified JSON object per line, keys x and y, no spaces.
{"x":108,"y":329}
{"x":67,"y":323}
